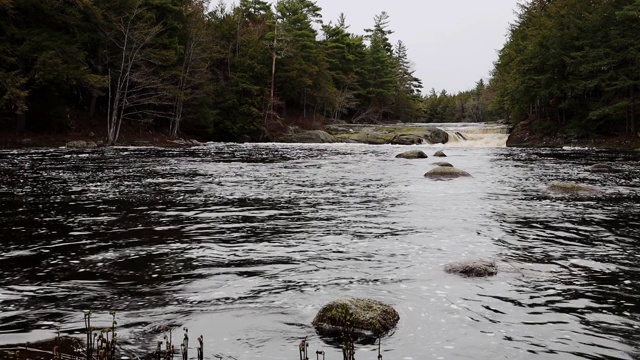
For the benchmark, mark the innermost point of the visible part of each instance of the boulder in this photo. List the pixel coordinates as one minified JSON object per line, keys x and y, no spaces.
{"x":81,"y":144}
{"x":443,"y":163}
{"x":406,"y":139}
{"x":434,"y":135}
{"x":439,"y":153}
{"x":311,"y":136}
{"x":446,"y":173}
{"x":401,"y":134}
{"x":472,"y":268}
{"x":412,"y":154}
{"x":367,"y":317}
{"x":570,"y":188}
{"x":520,"y":136}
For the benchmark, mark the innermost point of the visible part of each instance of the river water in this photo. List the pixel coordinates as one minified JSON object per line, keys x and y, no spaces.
{"x":243,"y":243}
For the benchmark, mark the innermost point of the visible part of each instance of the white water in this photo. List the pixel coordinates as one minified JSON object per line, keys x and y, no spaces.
{"x":479,"y":135}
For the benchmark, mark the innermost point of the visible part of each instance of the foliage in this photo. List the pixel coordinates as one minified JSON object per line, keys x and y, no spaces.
{"x":183,"y":66}
{"x":572,"y":62}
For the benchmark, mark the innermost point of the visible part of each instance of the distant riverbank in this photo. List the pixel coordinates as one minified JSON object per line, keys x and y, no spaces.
{"x":523,"y":135}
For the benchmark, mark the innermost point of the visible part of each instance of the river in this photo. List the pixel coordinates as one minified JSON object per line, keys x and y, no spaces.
{"x":243,"y":243}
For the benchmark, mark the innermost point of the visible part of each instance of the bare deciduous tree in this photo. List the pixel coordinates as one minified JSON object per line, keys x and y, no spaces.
{"x":134,"y":89}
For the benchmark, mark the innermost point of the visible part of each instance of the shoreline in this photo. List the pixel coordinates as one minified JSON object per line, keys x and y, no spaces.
{"x":520,"y":137}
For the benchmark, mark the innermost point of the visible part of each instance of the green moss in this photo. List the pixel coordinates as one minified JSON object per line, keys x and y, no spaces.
{"x":368,"y":137}
{"x":360,"y":314}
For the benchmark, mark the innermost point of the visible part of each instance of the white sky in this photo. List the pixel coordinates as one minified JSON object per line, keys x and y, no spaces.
{"x":451,"y":43}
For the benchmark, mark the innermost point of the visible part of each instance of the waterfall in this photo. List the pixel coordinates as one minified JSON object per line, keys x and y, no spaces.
{"x":474,"y":134}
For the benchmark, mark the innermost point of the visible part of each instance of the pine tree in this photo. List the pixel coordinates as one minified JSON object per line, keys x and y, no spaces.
{"x":381,"y":83}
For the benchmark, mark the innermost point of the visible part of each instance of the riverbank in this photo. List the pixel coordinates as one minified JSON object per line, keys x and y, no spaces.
{"x":90,"y":137}
{"x":524,"y":136}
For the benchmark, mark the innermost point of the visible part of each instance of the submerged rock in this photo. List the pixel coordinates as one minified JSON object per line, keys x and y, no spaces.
{"x":413,"y":154}
{"x":472,"y":268}
{"x":439,"y":153}
{"x":602,"y":167}
{"x":366,"y":316}
{"x":570,"y":188}
{"x":446,"y":173}
{"x":443,"y":163}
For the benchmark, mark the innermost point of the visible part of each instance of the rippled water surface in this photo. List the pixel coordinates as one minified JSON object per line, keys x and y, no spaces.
{"x":244,"y":243}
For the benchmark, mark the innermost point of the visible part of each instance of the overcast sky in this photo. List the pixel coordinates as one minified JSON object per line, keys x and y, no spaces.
{"x":451,"y":43}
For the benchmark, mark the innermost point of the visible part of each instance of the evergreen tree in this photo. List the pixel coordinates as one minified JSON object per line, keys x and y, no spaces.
{"x":381,"y":83}
{"x":345,"y":53}
{"x":302,"y":62}
{"x":407,"y":99}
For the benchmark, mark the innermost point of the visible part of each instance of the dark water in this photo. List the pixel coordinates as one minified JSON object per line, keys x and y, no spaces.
{"x":244,"y":243}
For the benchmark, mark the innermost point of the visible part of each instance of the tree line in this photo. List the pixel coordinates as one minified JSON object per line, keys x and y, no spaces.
{"x":218,"y":72}
{"x":226,"y":71}
{"x":572,"y":64}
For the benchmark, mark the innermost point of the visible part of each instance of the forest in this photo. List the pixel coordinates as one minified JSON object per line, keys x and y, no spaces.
{"x":226,"y":72}
{"x":219,"y":72}
{"x":572,"y":65}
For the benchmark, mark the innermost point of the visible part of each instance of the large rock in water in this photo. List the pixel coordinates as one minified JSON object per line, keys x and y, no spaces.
{"x":412,"y":154}
{"x":311,"y":136}
{"x":602,"y":167}
{"x":520,"y":136}
{"x":472,"y":268}
{"x":400,"y":134}
{"x":443,"y":163}
{"x":406,"y":139}
{"x":369,"y":318}
{"x":570,"y":188}
{"x":446,"y":173}
{"x":435,"y":136}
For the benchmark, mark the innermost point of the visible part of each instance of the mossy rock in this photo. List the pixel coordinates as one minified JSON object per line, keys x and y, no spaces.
{"x":412,"y":154}
{"x":443,"y":163}
{"x":570,"y":188}
{"x":439,"y":153}
{"x":446,"y":173}
{"x":311,"y":136}
{"x":406,"y":139}
{"x":472,"y":268}
{"x":401,"y":135}
{"x":367,"y":317}
{"x":371,"y":138}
